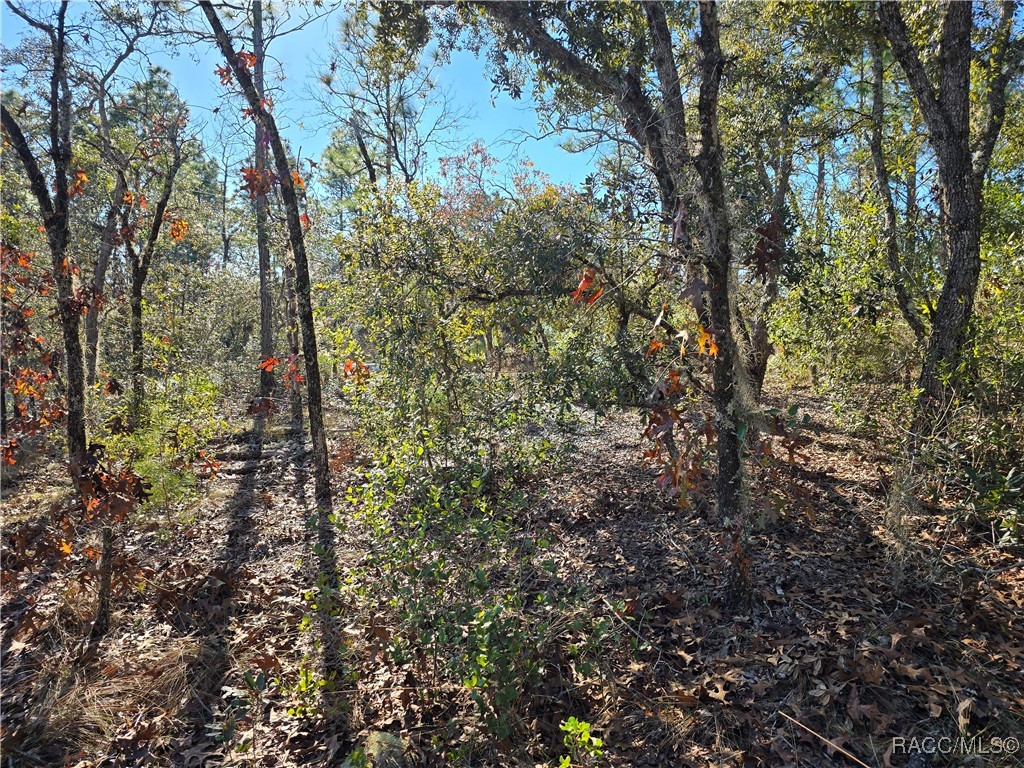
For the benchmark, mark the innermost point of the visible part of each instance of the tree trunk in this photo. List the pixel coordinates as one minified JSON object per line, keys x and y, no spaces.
{"x":946,"y":108}
{"x":57,"y":222}
{"x":294,"y":349}
{"x":262,"y":205}
{"x":3,"y":395}
{"x":225,"y":235}
{"x":137,"y":351}
{"x":69,"y":321}
{"x":321,"y":470}
{"x":729,"y":372}
{"x":99,"y":278}
{"x":889,"y":221}
{"x":102,"y":622}
{"x":956,"y":302}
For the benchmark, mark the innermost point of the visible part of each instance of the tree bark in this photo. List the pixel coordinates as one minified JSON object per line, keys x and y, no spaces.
{"x":57,"y":222}
{"x":729,"y":366}
{"x":262,"y":206}
{"x":321,"y":471}
{"x":962,"y":168}
{"x":99,"y":279}
{"x":294,"y":348}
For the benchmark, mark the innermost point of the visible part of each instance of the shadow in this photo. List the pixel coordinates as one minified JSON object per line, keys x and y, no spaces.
{"x":334,"y":720}
{"x":207,"y":609}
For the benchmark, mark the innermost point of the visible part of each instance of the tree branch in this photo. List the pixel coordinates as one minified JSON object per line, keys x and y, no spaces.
{"x":35,"y":176}
{"x":885,"y":195}
{"x":895,"y":28}
{"x":1006,"y":61}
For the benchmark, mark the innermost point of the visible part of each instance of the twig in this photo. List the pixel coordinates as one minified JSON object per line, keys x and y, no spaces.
{"x":830,"y":743}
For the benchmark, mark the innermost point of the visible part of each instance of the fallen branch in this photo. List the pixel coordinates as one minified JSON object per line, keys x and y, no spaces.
{"x":827,"y":741}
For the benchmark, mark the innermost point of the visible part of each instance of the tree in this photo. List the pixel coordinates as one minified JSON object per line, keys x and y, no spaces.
{"x":890,"y":235}
{"x":386,"y":101}
{"x":262,"y":219}
{"x":55,"y":210}
{"x":944,"y":99}
{"x":140,"y":254}
{"x":601,"y":53}
{"x":287,"y":179}
{"x":143,"y":139}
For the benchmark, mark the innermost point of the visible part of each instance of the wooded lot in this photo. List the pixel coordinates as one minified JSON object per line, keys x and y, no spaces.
{"x":417,"y":449}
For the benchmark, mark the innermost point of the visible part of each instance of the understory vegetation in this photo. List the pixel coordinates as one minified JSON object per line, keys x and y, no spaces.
{"x":412,"y":450}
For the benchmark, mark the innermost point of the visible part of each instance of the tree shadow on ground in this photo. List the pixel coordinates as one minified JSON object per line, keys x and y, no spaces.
{"x":208,"y":609}
{"x":335,"y":707}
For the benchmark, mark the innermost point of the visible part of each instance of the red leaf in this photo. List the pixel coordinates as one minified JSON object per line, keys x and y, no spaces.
{"x":585,"y":283}
{"x":654,"y":347}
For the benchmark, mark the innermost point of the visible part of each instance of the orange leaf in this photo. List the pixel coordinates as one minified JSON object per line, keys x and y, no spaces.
{"x":257,"y":182}
{"x":706,"y":344}
{"x":246,"y":60}
{"x":585,"y":283}
{"x":655,"y":346}
{"x":179,"y":230}
{"x":268,"y":363}
{"x":79,"y":183}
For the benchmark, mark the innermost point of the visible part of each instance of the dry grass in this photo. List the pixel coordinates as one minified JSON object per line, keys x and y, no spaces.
{"x":85,"y":698}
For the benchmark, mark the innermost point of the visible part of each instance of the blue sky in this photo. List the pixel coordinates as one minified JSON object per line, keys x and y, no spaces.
{"x":496,"y":119}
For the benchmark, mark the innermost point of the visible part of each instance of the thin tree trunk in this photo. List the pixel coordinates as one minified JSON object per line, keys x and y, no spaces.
{"x":137,"y":351}
{"x":102,"y":622}
{"x":99,"y":278}
{"x":3,"y":395}
{"x":889,"y":221}
{"x":225,"y":236}
{"x":294,"y":348}
{"x":139,"y":262}
{"x":321,"y":470}
{"x":262,"y":205}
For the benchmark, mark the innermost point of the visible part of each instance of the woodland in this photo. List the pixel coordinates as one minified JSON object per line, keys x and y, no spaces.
{"x":404,"y":454}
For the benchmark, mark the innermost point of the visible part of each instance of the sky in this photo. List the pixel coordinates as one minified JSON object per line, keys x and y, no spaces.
{"x":495,"y":119}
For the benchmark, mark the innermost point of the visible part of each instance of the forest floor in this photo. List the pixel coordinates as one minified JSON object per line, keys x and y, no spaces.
{"x":249,"y":631}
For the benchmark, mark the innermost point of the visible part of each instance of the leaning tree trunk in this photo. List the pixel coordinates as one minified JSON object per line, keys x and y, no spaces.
{"x":57,"y":223}
{"x":289,"y":198}
{"x":262,"y":217}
